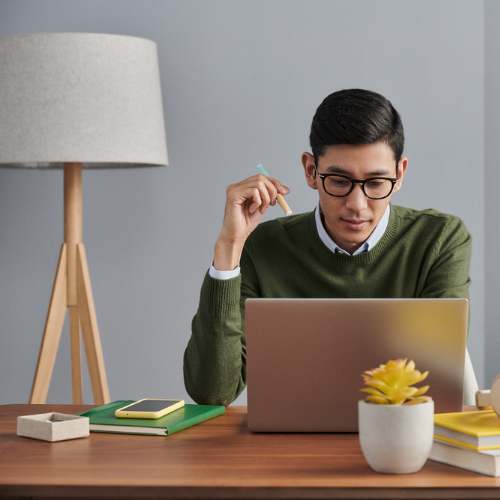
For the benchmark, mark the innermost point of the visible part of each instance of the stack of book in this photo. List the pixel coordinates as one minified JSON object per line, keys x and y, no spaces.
{"x":470,"y":440}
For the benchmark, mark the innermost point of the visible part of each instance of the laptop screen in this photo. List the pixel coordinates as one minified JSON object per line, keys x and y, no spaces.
{"x":305,"y":357}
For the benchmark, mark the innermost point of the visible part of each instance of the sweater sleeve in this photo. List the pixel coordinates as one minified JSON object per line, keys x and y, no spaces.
{"x":214,"y":355}
{"x":449,"y":273}
{"x":448,"y":276}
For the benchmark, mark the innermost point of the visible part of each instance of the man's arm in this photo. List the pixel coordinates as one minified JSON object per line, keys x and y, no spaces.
{"x":215,"y":357}
{"x":215,"y":354}
{"x":448,"y":276}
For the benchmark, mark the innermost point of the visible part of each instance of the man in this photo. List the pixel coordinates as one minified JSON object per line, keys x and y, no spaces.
{"x":355,"y":244}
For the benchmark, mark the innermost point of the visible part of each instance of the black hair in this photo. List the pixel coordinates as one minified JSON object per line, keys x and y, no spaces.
{"x":356,"y":116}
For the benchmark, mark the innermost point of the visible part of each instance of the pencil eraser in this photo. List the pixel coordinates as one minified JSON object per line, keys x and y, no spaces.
{"x":289,"y":212}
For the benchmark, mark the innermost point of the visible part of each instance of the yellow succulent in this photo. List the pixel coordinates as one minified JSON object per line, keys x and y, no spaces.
{"x":389,"y":384}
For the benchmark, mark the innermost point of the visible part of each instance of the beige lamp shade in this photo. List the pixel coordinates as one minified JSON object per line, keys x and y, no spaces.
{"x":80,"y":97}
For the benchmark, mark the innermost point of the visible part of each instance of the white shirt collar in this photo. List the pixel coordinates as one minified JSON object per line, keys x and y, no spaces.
{"x":373,"y":239}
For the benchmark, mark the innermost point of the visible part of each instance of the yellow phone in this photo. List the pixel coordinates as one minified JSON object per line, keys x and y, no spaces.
{"x":149,"y":408}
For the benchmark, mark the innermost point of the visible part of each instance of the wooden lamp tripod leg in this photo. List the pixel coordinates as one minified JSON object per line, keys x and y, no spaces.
{"x":76,"y":355}
{"x":72,"y":289}
{"x":90,"y":331}
{"x":51,"y":333}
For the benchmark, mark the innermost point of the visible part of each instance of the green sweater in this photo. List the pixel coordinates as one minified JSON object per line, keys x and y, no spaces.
{"x":421,"y":254}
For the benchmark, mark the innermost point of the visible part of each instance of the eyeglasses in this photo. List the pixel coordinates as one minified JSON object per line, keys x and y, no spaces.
{"x":375,"y":188}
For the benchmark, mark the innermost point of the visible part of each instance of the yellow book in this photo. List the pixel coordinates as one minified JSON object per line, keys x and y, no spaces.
{"x":477,"y":430}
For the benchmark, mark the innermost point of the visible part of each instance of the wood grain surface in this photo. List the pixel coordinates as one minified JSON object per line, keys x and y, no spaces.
{"x":219,"y":458}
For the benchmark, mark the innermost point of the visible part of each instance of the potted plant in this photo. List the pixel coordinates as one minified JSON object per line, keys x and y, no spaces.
{"x":396,"y":420}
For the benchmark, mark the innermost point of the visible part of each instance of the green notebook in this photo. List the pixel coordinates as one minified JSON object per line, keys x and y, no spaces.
{"x":102,"y":419}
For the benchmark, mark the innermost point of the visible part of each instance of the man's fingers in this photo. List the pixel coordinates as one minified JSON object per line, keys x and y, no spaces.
{"x":283,"y":190}
{"x":257,"y":201}
{"x":254,"y":189}
{"x":260,"y":190}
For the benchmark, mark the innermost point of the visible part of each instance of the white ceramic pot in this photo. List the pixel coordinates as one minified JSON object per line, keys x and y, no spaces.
{"x":396,"y":439}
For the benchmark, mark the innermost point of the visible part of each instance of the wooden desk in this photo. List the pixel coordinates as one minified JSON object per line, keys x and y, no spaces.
{"x":216,"y":459}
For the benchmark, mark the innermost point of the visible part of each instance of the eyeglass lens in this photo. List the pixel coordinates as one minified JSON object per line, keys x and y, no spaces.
{"x":374,"y":188}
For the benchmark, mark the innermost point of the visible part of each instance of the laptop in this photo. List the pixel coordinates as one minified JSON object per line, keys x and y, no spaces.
{"x":305,"y":357}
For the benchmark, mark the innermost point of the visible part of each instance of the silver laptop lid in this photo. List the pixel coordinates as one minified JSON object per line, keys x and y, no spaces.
{"x":305,"y":357}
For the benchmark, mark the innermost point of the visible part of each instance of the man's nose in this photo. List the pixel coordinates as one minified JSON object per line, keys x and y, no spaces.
{"x":356,"y":200}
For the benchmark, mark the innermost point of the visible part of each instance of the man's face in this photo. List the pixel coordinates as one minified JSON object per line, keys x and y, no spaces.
{"x":351,"y":219}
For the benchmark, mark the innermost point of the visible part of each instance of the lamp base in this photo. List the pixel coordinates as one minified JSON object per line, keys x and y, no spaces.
{"x":83,"y":313}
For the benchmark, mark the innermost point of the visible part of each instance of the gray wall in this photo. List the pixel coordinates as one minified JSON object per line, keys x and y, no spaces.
{"x":492,"y":197}
{"x":241,"y":82}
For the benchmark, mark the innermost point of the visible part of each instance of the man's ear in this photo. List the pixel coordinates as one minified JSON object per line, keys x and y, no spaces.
{"x":310,"y":170}
{"x":402,"y":166}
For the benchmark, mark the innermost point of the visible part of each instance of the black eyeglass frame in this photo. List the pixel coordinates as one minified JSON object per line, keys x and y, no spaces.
{"x":355,"y":181}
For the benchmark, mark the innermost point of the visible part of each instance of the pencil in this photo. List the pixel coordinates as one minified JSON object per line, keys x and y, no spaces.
{"x":283,"y":204}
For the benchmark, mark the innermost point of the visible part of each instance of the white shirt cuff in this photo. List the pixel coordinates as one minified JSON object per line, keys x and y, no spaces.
{"x":223,"y":275}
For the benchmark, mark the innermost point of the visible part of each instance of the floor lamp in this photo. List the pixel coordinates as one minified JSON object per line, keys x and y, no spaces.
{"x":71,"y":101}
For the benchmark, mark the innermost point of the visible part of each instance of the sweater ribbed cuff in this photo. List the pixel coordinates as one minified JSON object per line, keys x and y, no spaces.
{"x":222,"y":297}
